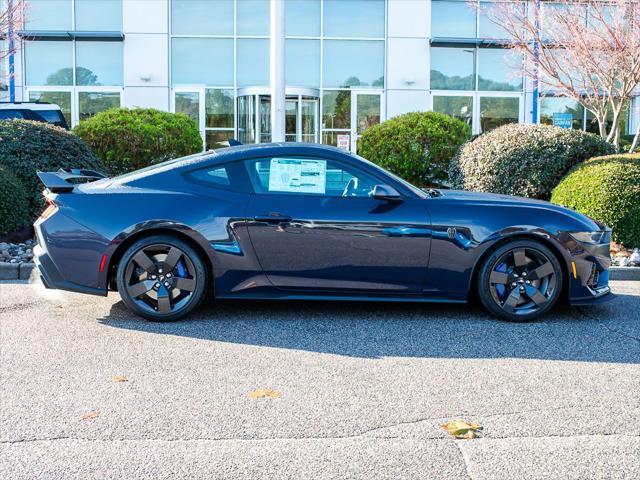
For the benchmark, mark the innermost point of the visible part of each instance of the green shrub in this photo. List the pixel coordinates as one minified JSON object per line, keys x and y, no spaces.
{"x":608,"y":190}
{"x":415,"y":146}
{"x":14,"y":206}
{"x":129,"y":139}
{"x":524,"y":160}
{"x":27,"y":146}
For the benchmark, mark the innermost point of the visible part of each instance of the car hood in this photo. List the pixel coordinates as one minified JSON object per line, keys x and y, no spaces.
{"x":494,"y":199}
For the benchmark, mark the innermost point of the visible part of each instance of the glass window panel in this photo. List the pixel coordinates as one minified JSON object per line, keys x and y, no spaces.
{"x":452,"y":68}
{"x":454,"y":106}
{"x":253,"y":17}
{"x":497,"y":70}
{"x":102,"y":15}
{"x":189,"y":103}
{"x":336,"y":109}
{"x":351,"y":63}
{"x":49,"y":63}
{"x":202,"y":17}
{"x":202,"y":61}
{"x":454,"y":19}
{"x":62,"y":99}
{"x":218,"y":139}
{"x":246,"y":119}
{"x":302,"y":18}
{"x":309,"y":119}
{"x":496,"y":111}
{"x":551,"y":105}
{"x":488,"y":29}
{"x":291,"y":120}
{"x":354,"y":18}
{"x":592,"y":123}
{"x":91,"y":103}
{"x":303,"y":63}
{"x":48,"y":15}
{"x":264,"y":102}
{"x":253,"y":62}
{"x":98,"y":63}
{"x":219,"y":108}
{"x":368,"y":111}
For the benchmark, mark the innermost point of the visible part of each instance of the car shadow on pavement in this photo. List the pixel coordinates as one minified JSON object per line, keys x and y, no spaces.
{"x":602,"y":333}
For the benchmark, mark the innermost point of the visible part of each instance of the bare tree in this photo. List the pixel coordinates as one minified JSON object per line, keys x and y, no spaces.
{"x":12,"y":14}
{"x":587,"y":50}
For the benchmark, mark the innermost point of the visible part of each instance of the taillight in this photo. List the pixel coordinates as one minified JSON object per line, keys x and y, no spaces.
{"x":50,"y":210}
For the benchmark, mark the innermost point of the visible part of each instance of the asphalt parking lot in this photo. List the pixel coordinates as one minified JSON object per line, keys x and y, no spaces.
{"x":87,"y":391}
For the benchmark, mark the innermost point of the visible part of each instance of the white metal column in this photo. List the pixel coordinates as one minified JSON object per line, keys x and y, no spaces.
{"x":277,"y":71}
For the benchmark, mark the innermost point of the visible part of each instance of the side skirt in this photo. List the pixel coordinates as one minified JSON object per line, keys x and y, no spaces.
{"x":348,"y":298}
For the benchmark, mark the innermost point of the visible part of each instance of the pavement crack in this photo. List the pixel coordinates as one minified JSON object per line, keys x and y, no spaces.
{"x":465,"y":460}
{"x":338,"y":437}
{"x":607,"y":327}
{"x":476,"y":416}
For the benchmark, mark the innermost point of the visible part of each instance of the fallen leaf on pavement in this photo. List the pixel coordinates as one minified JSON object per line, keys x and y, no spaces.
{"x":90,"y":415}
{"x":261,"y":393}
{"x":461,"y":429}
{"x":119,"y":378}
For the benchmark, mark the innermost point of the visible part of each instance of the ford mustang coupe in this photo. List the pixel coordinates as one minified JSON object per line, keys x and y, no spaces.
{"x":303,"y":221}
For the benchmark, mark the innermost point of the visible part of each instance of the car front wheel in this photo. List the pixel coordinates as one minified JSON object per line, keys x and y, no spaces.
{"x":520,"y":281}
{"x":161,"y":278}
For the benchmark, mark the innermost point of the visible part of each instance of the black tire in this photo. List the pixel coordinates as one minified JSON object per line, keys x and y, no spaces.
{"x":520,"y":281}
{"x":161,"y":278}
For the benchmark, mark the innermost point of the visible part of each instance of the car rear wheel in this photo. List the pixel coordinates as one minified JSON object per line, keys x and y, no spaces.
{"x":520,"y":281}
{"x":161,"y":278}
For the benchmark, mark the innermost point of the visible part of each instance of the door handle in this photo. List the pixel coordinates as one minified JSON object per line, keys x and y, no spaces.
{"x":272,"y":218}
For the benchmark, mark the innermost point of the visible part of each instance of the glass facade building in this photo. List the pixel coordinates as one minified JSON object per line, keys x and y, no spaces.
{"x":349,"y":64}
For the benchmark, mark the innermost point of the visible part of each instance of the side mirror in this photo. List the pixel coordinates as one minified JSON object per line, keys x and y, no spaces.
{"x":387,"y":193}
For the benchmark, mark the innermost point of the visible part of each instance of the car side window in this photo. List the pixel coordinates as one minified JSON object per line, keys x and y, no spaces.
{"x":229,"y":176}
{"x":9,"y":114}
{"x":309,"y":176}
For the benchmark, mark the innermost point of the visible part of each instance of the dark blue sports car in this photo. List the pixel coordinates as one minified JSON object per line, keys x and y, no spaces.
{"x":304,"y":221}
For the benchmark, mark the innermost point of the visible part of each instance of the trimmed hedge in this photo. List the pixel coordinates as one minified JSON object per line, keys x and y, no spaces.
{"x":524,"y":160}
{"x":608,"y":190}
{"x":27,"y":146}
{"x":14,"y":207}
{"x":416,"y":146}
{"x":130,"y":139}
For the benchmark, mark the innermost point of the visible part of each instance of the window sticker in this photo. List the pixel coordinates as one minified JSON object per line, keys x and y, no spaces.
{"x":297,"y":175}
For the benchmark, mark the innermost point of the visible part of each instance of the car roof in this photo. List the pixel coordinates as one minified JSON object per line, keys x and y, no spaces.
{"x":277,"y":148}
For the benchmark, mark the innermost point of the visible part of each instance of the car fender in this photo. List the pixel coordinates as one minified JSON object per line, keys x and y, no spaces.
{"x":158,"y":226}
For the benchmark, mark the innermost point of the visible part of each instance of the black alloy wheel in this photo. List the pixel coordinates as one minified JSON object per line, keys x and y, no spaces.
{"x":161,"y":278}
{"x":520,"y":281}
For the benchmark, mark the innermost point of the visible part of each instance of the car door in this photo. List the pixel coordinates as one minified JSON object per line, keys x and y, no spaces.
{"x":314,"y":226}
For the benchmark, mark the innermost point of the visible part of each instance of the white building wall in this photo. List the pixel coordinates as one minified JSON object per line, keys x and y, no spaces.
{"x":407,"y":65}
{"x":146,"y":53}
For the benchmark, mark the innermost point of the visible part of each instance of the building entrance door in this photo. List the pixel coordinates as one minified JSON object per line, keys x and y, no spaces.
{"x":301,"y":116}
{"x":366,"y":111}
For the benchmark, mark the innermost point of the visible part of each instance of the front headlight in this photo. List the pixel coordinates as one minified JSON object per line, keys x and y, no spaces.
{"x":591,"y":238}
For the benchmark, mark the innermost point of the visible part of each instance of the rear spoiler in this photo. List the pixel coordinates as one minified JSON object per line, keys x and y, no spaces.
{"x":65,"y":180}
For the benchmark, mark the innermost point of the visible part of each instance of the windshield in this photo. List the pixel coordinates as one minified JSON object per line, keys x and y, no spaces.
{"x":420,"y":193}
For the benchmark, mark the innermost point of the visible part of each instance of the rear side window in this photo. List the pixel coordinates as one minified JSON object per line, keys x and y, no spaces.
{"x":229,"y":176}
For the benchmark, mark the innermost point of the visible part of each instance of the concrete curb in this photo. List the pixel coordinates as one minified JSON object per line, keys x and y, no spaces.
{"x":22,"y":271}
{"x":16,"y":271}
{"x":624,"y":273}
